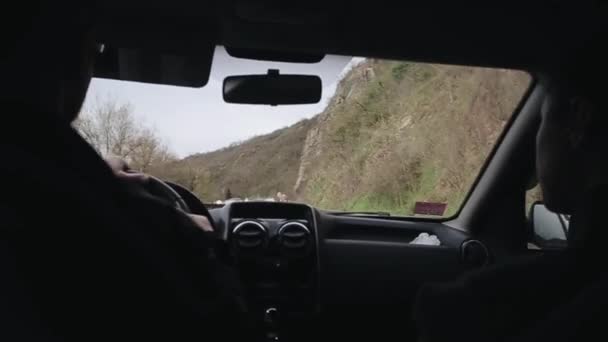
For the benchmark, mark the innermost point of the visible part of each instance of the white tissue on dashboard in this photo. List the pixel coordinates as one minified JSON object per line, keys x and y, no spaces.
{"x":426,"y":239}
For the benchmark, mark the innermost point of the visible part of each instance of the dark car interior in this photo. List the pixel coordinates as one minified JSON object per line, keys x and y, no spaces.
{"x":309,"y":273}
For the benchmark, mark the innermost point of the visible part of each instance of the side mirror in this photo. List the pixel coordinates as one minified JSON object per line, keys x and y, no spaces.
{"x":548,"y":230}
{"x":272,"y":89}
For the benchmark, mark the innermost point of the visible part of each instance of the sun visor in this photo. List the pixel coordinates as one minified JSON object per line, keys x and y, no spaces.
{"x":189,"y":68}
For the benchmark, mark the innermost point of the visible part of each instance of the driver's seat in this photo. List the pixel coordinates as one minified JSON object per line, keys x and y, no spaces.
{"x":83,"y":259}
{"x":19,"y":320}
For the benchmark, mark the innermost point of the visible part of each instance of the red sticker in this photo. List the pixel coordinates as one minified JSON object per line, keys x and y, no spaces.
{"x":429,"y":208}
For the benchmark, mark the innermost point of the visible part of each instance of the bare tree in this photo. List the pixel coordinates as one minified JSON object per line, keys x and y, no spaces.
{"x":112,"y":129}
{"x":183,"y":173}
{"x":149,"y":151}
{"x":191,"y":177}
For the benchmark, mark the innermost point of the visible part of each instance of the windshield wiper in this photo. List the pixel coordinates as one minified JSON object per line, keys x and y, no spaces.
{"x":361,"y":213}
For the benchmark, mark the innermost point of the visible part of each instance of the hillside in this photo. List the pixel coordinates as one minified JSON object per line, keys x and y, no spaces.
{"x":393,"y":134}
{"x":258,"y":167}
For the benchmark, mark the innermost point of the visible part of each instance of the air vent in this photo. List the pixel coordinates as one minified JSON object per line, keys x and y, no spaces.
{"x":294,"y":239}
{"x":249,"y":236}
{"x":474,"y":253}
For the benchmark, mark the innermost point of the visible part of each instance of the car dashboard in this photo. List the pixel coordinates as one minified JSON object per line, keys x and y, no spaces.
{"x":274,"y":248}
{"x":309,"y":273}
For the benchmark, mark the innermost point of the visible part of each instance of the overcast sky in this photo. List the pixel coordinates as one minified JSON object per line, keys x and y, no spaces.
{"x":198,"y":120}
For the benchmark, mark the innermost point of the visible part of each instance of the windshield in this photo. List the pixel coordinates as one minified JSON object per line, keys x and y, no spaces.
{"x":390,"y":137}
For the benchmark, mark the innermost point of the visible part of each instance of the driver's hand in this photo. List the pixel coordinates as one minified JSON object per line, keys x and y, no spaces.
{"x":120,"y":168}
{"x":202,"y":222}
{"x":122,"y":171}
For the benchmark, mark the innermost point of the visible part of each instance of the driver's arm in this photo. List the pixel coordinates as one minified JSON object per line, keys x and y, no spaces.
{"x":120,"y":168}
{"x":196,"y":246}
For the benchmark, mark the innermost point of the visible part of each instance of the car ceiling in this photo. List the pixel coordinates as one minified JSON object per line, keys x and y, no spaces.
{"x":536,"y":36}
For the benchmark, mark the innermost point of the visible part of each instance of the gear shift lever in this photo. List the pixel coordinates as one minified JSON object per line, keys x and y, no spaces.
{"x":271,"y":319}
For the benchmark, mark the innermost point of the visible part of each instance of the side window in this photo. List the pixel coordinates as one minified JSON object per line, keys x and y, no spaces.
{"x":546,"y":229}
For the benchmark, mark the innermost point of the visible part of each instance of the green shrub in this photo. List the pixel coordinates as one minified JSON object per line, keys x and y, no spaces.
{"x":399,"y":70}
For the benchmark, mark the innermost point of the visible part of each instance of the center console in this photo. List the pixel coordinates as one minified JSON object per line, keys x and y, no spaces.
{"x":274,"y":248}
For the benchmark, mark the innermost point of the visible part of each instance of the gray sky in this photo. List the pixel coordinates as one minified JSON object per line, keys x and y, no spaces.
{"x":198,"y":120}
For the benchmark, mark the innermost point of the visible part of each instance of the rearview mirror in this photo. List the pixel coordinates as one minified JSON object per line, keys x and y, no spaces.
{"x":549,"y":230}
{"x":272,"y":89}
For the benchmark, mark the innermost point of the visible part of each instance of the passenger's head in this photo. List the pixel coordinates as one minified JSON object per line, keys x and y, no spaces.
{"x":49,"y":64}
{"x":572,"y":143}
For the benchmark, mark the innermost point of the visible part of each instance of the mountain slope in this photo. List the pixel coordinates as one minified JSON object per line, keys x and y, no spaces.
{"x":258,"y":167}
{"x":410,"y":132}
{"x":393,"y":134}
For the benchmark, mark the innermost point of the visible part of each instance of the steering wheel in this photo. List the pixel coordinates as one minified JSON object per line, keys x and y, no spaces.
{"x":181,"y":197}
{"x":159,"y":188}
